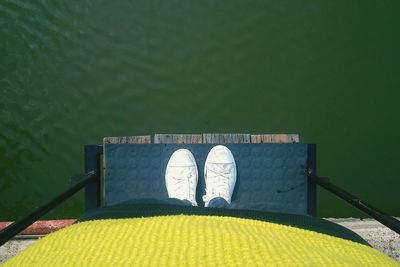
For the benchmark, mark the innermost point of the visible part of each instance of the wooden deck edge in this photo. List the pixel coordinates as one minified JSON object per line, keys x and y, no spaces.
{"x":205,"y":138}
{"x":275,"y":138}
{"x":42,"y":227}
{"x":226,"y":138}
{"x":178,"y":139}
{"x":142,"y":139}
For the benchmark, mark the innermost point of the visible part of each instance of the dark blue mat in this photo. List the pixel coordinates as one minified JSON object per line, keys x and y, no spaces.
{"x":271,"y":177}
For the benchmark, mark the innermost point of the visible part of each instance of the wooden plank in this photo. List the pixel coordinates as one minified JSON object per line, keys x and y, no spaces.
{"x":177,"y":139}
{"x":231,"y":138}
{"x":206,"y":138}
{"x":145,"y":139}
{"x":275,"y":138}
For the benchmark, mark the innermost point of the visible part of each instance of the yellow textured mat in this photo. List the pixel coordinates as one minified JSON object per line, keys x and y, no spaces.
{"x":194,"y":241}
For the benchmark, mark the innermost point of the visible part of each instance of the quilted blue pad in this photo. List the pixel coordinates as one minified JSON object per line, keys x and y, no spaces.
{"x":270,"y":177}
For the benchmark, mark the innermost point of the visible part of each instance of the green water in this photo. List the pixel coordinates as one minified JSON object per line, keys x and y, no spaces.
{"x":73,"y":72}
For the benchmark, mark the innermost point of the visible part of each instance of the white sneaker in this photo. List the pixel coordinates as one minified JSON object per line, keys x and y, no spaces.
{"x":181,"y":176}
{"x":219,"y":174}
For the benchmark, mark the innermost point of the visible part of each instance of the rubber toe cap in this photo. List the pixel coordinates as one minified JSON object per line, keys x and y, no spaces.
{"x":182,"y":158}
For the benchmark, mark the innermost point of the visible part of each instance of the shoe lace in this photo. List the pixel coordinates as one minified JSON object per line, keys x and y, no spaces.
{"x":219,"y":187}
{"x":182,"y":181}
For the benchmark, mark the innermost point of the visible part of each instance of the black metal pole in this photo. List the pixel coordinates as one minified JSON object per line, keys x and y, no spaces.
{"x":381,"y":217}
{"x":16,"y":227}
{"x":92,"y":162}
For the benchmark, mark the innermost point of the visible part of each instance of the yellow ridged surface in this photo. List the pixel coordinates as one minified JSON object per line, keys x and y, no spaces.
{"x":194,"y":241}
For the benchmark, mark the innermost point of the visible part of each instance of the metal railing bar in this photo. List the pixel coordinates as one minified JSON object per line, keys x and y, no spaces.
{"x":378,"y":215}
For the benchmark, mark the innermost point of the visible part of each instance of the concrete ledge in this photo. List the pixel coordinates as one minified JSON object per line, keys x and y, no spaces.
{"x":15,"y":246}
{"x":375,"y":233}
{"x":29,"y":236}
